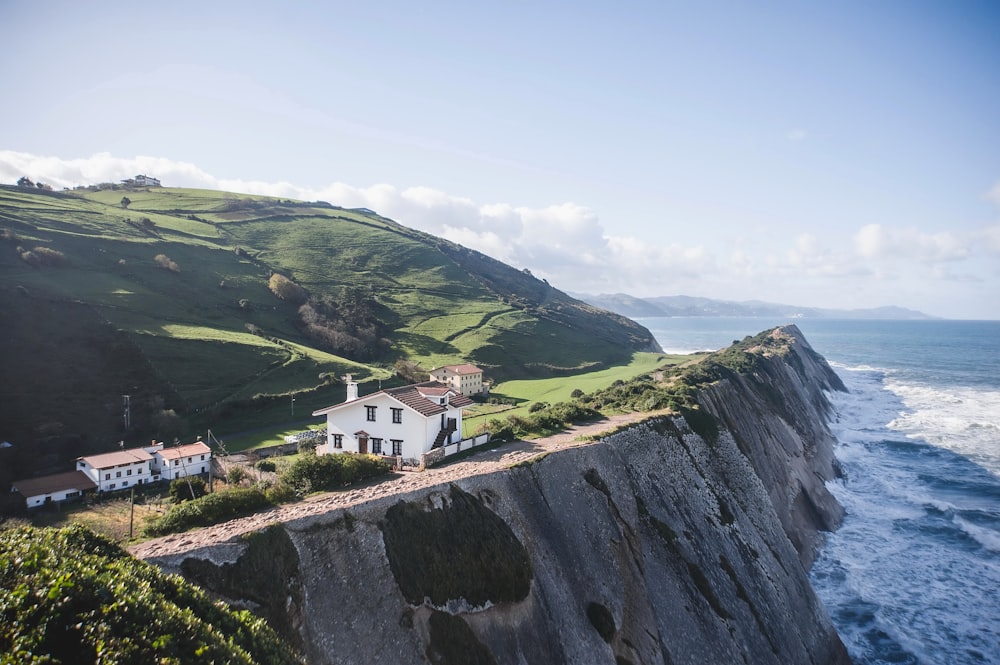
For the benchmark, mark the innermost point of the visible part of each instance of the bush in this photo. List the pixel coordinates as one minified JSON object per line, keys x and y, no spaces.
{"x":210,"y":509}
{"x":181,"y":488}
{"x":286,"y":289}
{"x":266,"y":465}
{"x":164,"y":261}
{"x":329,"y":472}
{"x":236,"y":475}
{"x":76,"y":597}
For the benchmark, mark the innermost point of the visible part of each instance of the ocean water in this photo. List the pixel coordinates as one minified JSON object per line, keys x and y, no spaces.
{"x":913,"y":575}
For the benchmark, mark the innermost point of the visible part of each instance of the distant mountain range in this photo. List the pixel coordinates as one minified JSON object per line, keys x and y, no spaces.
{"x":633,"y":307}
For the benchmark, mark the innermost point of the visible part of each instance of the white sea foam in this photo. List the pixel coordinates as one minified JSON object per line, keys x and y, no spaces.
{"x":988,"y":538}
{"x":899,"y":577}
{"x":962,"y":419}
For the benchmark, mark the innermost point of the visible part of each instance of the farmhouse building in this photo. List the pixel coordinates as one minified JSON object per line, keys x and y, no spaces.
{"x":466,"y":379}
{"x":403,"y":422}
{"x":188,"y":460}
{"x":55,"y":488}
{"x":118,"y":470}
{"x":142,"y":181}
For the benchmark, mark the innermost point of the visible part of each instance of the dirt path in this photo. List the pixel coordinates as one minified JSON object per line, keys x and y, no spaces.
{"x":487,"y":461}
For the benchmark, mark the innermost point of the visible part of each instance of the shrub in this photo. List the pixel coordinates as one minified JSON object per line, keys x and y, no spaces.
{"x":266,"y":465}
{"x":210,"y":509}
{"x":164,"y":261}
{"x":286,"y":289}
{"x":315,"y":473}
{"x":43,"y":257}
{"x":76,"y":597}
{"x":236,"y":475}
{"x":181,"y":488}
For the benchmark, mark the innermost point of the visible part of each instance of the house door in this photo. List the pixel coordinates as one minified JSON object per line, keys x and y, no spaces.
{"x":363,"y":445}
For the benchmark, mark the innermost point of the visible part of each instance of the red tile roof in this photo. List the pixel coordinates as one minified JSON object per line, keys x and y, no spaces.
{"x":108,"y":460}
{"x":187,"y":450}
{"x":463,"y":369}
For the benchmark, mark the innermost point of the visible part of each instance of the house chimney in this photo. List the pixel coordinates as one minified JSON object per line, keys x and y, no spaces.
{"x":352,"y":389}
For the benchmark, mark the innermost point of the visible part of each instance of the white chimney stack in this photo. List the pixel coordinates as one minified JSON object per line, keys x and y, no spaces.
{"x":352,"y":389}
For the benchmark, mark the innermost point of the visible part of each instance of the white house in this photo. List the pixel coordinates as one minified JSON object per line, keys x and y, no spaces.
{"x":467,"y":379}
{"x":55,"y":488}
{"x":142,"y":181}
{"x":406,"y":421}
{"x":118,"y":470}
{"x":190,"y":459}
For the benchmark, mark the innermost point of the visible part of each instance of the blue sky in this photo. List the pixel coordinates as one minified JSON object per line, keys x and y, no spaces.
{"x":840,"y":154}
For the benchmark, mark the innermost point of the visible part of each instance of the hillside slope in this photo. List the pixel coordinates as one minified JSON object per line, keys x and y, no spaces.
{"x":670,"y":542}
{"x":165,"y":299}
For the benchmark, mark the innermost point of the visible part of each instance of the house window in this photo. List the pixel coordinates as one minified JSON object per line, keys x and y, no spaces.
{"x":397,"y":446}
{"x":118,"y":474}
{"x":338,"y":440}
{"x":107,"y":476}
{"x":129,"y":472}
{"x":376,"y":446}
{"x":397,"y":415}
{"x":112,"y":486}
{"x":202,"y":458}
{"x":371,"y":413}
{"x":138,"y":471}
{"x":175,"y":462}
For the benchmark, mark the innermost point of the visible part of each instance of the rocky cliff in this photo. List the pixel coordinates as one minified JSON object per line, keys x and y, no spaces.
{"x":671,"y":542}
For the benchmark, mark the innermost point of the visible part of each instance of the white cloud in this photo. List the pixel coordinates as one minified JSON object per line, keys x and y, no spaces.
{"x":796,"y":135}
{"x":875,"y":241}
{"x":994,"y":194}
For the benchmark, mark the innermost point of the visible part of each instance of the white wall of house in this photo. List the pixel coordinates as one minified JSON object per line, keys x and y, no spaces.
{"x":111,"y":477}
{"x":416,"y":431}
{"x":185,"y":466}
{"x":467,"y":383}
{"x":53,"y":497}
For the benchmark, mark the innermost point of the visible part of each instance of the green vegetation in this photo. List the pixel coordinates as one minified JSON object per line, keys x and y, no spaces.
{"x":462,"y":550}
{"x":308,"y":473}
{"x":70,"y":596}
{"x":214,"y":310}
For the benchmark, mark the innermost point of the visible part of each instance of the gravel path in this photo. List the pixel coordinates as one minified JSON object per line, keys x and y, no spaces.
{"x":487,"y":461}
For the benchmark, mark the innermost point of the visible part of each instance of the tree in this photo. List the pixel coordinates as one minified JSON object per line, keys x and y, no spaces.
{"x":24,"y":181}
{"x":126,"y":201}
{"x":187,"y":488}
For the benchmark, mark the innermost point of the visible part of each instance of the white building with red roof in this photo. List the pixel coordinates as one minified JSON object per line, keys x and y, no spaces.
{"x":403,"y":422}
{"x":118,"y":470}
{"x":466,"y":379}
{"x":55,"y":488}
{"x":191,"y":459}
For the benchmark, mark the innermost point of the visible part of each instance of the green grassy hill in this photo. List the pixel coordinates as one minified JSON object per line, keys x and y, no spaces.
{"x":168,"y":301}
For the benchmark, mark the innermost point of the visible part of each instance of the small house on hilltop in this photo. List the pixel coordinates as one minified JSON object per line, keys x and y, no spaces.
{"x":403,"y":422}
{"x":142,"y":181}
{"x":466,"y":379}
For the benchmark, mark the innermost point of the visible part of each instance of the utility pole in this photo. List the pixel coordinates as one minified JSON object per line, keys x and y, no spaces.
{"x":131,"y":512}
{"x":293,"y":406}
{"x":126,"y":404}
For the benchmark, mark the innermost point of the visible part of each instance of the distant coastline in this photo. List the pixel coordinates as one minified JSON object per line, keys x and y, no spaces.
{"x":632,"y":306}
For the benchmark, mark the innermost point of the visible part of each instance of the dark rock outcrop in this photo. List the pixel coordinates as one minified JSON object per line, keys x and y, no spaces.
{"x":656,"y":545}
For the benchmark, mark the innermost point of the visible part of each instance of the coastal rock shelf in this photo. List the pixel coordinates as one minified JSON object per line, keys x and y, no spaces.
{"x":658,"y":544}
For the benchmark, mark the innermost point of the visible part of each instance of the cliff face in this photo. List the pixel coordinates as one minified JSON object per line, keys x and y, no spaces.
{"x":656,"y":545}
